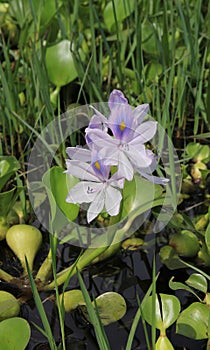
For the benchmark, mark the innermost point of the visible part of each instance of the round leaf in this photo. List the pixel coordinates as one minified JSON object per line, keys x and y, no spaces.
{"x":14,"y":333}
{"x":178,"y":285}
{"x":193,"y":321}
{"x":111,"y":307}
{"x":9,"y":306}
{"x":60,"y":64}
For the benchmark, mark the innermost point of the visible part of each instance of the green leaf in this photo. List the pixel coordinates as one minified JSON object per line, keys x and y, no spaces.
{"x":60,"y":64}
{"x":198,"y":282}
{"x":134,"y":197}
{"x":8,"y":166}
{"x":9,"y":306}
{"x":72,"y":299}
{"x":193,"y":321}
{"x":170,"y":258}
{"x":57,"y":185}
{"x":178,"y":285}
{"x":122,"y":9}
{"x":111,"y":307}
{"x":166,"y":313}
{"x":16,"y":339}
{"x":8,"y":199}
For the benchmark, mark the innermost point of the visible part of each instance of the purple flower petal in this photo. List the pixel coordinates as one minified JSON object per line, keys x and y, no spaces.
{"x":79,"y":153}
{"x":115,"y":97}
{"x":81,"y":170}
{"x":140,"y":112}
{"x":144,"y":133}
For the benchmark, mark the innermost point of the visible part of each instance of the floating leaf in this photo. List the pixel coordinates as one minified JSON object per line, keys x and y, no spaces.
{"x":132,"y":243}
{"x":9,"y":306}
{"x":111,"y":307}
{"x":193,"y":321}
{"x":14,"y":333}
{"x":198,"y":282}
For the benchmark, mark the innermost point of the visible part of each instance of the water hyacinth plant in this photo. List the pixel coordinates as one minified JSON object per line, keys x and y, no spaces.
{"x":124,"y":149}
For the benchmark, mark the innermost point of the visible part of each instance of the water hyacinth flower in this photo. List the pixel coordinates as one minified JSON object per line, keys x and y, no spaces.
{"x":96,"y":188}
{"x":124,"y":148}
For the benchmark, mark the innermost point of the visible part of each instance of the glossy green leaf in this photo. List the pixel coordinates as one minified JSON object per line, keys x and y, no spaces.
{"x":193,"y":321}
{"x":122,"y":9}
{"x":14,"y":334}
{"x":170,"y":258}
{"x":166,"y":314}
{"x":163,"y":343}
{"x":60,"y":64}
{"x":178,"y":285}
{"x":137,"y":193}
{"x":198,"y":282}
{"x":57,"y":185}
{"x":8,"y":166}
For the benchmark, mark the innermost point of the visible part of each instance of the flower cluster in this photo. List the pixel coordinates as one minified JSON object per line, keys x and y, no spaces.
{"x":117,"y":141}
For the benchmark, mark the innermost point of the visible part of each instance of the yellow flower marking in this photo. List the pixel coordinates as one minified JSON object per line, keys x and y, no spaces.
{"x":97,"y":165}
{"x":122,"y":126}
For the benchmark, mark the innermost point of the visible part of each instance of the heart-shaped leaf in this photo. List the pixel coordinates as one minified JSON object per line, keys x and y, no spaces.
{"x":166,"y":313}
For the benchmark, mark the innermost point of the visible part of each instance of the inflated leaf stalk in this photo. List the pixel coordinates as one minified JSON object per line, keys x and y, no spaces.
{"x":185,"y":243}
{"x":9,"y":306}
{"x":24,"y":240}
{"x":72,"y":299}
{"x":14,"y":334}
